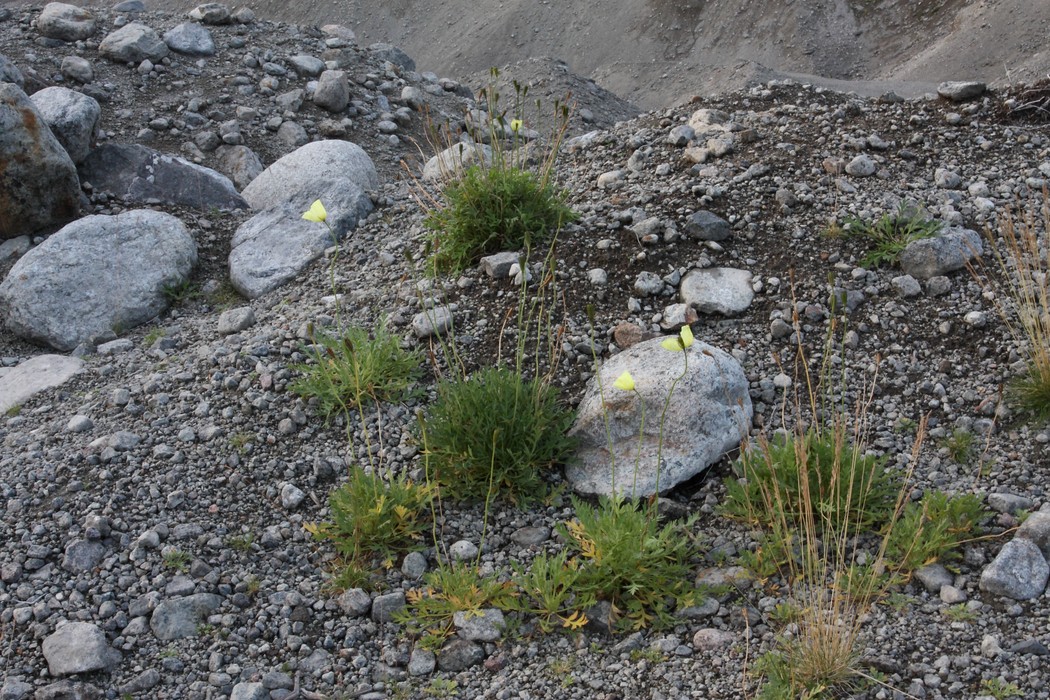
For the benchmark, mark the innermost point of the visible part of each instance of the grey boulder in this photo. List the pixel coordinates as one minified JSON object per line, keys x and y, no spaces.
{"x":453,"y":160}
{"x":211,"y":13}
{"x":239,"y":163}
{"x":1019,"y":571}
{"x":96,"y":275}
{"x":387,"y":52}
{"x":318,"y":160}
{"x":133,"y":43}
{"x":65,"y":22}
{"x":78,"y":647}
{"x":333,"y":91}
{"x":73,"y":118}
{"x":960,"y":90}
{"x":135,"y":173}
{"x":9,"y":72}
{"x":190,"y":39}
{"x":709,"y":412}
{"x":38,"y":181}
{"x":941,"y":254}
{"x":273,"y":246}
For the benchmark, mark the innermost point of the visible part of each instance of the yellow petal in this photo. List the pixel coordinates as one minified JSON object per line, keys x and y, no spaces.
{"x":680,"y":342}
{"x":316,"y":212}
{"x":515,"y":124}
{"x":673,"y":344}
{"x":624,"y":382}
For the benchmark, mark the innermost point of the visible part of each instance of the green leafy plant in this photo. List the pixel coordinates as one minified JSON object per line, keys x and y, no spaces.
{"x":359,"y":366}
{"x":548,"y":591}
{"x":240,"y":441}
{"x":1000,"y":689}
{"x":241,"y":543}
{"x":888,"y":236}
{"x":960,"y":445}
{"x":448,"y":589}
{"x":932,"y":530}
{"x":177,"y":559}
{"x":442,"y":688}
{"x":491,"y":209}
{"x":495,"y":433}
{"x":630,"y":560}
{"x":373,"y":522}
{"x":960,"y":613}
{"x":180,"y":292}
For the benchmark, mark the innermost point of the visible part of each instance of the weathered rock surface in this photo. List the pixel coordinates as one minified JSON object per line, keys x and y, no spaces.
{"x":717,"y":290}
{"x":97,"y":274}
{"x":139,"y":174}
{"x":65,"y":22}
{"x":133,"y":43}
{"x":941,"y":254}
{"x":78,"y":647}
{"x":319,"y":160}
{"x":38,"y":181}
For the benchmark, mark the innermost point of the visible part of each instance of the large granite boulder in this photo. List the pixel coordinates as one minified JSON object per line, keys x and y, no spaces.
{"x":73,"y":118}
{"x":135,"y":173}
{"x":319,"y":160}
{"x":38,"y":181}
{"x":17,"y":384}
{"x":276,"y":244}
{"x":65,"y":22}
{"x":709,"y":413}
{"x":97,"y":274}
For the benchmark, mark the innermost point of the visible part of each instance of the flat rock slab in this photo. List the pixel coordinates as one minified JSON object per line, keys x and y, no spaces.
{"x":718,"y":290}
{"x":135,"y":173}
{"x":35,"y":375}
{"x":180,"y":617}
{"x":96,"y":275}
{"x":79,"y":647}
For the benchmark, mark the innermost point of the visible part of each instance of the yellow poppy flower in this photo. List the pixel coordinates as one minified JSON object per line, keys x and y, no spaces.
{"x":316,"y":212}
{"x":680,"y":342}
{"x":515,"y":125}
{"x":624,"y":382}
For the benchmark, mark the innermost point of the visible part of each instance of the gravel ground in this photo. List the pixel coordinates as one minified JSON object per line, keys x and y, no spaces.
{"x":191,"y":443}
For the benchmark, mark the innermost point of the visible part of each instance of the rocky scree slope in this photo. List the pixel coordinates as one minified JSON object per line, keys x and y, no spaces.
{"x":154,"y":502}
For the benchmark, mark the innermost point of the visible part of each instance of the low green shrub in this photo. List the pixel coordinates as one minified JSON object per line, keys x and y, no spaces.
{"x":630,"y":560}
{"x":491,"y":209}
{"x":357,"y":367}
{"x":373,"y":523}
{"x":495,"y":433}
